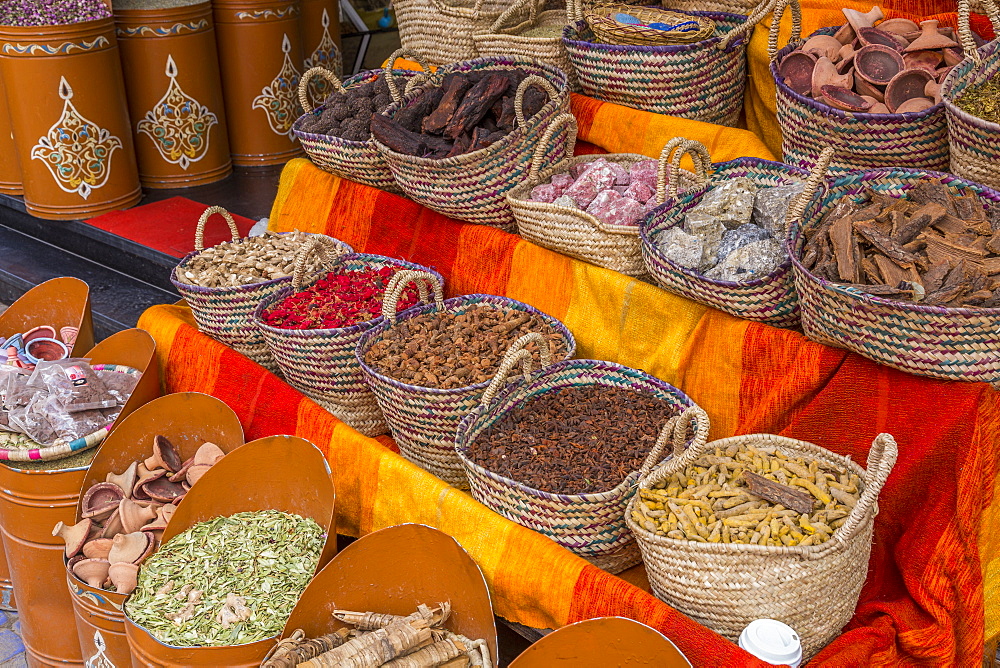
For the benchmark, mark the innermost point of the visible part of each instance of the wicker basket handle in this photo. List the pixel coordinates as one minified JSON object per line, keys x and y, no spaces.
{"x":779,"y":12}
{"x":965,"y":28}
{"x":398,"y":283}
{"x":532,"y":79}
{"x":545,"y":144}
{"x":517,"y":354}
{"x":669,"y":171}
{"x":682,"y":456}
{"x":199,"y":232}
{"x":308,"y":76}
{"x":816,"y":177}
{"x":460,"y":12}
{"x":390,"y":79}
{"x":317,"y":243}
{"x":509,"y":13}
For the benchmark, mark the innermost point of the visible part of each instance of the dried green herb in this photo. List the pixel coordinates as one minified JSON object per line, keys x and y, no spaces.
{"x":982,"y":100}
{"x":227,"y":581}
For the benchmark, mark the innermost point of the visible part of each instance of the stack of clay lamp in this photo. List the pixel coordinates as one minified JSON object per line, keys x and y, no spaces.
{"x":124,"y":517}
{"x":895,"y":67}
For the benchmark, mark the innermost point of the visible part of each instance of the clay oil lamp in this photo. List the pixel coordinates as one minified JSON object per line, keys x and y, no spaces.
{"x":74,"y":536}
{"x":208,"y":453}
{"x":145,"y":476}
{"x":952,"y":56}
{"x":822,"y":45}
{"x":182,"y":473}
{"x":906,"y":85}
{"x":931,"y":38}
{"x":196,"y":472}
{"x":825,"y":74}
{"x":124,"y":577}
{"x":163,"y":490}
{"x":164,"y":456}
{"x":877,"y":64}
{"x":796,"y":71}
{"x":874,"y":36}
{"x":126,"y":480}
{"x":859,"y":20}
{"x":901,"y":27}
{"x":865,"y":89}
{"x":933,"y":91}
{"x":99,"y":548}
{"x":101,"y":500}
{"x":845,"y":99}
{"x":113,"y":526}
{"x":914,"y":105}
{"x":134,"y":516}
{"x":92,"y":571}
{"x":131,"y":548}
{"x":924,"y":60}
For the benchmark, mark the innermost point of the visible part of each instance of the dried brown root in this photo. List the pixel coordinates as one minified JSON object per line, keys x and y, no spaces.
{"x":369,"y":621}
{"x":375,"y":648}
{"x":295,"y":649}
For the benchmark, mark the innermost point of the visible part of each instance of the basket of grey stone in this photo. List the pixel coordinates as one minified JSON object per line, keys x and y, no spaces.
{"x":724,"y":245}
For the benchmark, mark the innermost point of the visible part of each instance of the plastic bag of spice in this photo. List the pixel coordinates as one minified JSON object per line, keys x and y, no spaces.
{"x":45,"y":420}
{"x":18,"y":389}
{"x":75,"y":385}
{"x":118,"y":385}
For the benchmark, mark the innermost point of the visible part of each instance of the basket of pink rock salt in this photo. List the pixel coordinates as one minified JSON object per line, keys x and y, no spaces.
{"x":589,"y":207}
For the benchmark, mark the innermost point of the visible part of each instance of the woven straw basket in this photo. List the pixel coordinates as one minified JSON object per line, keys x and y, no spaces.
{"x":770,"y":299}
{"x":505,"y":38}
{"x":424,"y":420}
{"x":936,"y":341}
{"x":579,"y":234}
{"x":703,"y":81}
{"x":725,"y":586}
{"x":441,"y":32}
{"x":321,"y":363}
{"x":576,"y":9}
{"x":609,"y":31}
{"x":473,"y":187}
{"x":862,"y":141}
{"x":975,"y":143}
{"x":355,"y":160}
{"x":589,"y":525}
{"x":226,"y":314}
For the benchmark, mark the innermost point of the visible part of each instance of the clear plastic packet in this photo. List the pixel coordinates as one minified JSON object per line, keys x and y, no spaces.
{"x":33,"y":419}
{"x":15,"y":387}
{"x":119,"y":385}
{"x":75,"y":385}
{"x":46,"y":420}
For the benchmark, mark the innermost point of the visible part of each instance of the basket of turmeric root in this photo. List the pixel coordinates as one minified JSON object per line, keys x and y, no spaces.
{"x":761,"y":526}
{"x":371,"y":639}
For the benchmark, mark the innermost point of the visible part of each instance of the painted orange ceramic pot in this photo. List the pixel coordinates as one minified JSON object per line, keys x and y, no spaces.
{"x":187,"y":419}
{"x":33,"y":501}
{"x":270,"y":473}
{"x":66,"y":98}
{"x":260,"y":55}
{"x":10,"y":167}
{"x":321,"y":44}
{"x":174,"y":95}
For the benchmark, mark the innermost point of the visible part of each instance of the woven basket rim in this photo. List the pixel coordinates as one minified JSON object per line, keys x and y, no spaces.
{"x":795,"y":233}
{"x":630,"y":480}
{"x":602,"y":14}
{"x":512,"y":32}
{"x":366,"y":258}
{"x":826,"y":109}
{"x":836,"y":541}
{"x":555,"y":76}
{"x":198,"y":289}
{"x":573,"y":30}
{"x":497,"y":301}
{"x":990,"y":49}
{"x":647,"y":227}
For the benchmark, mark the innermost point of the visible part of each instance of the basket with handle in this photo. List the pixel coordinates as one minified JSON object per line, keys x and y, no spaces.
{"x":226,"y":313}
{"x":441,"y":31}
{"x":582,"y":235}
{"x":974,"y":142}
{"x":321,"y":363}
{"x":608,"y":30}
{"x":923,"y":339}
{"x":356,"y":160}
{"x":725,"y":586}
{"x":473,"y":187}
{"x":917,"y":139}
{"x":424,"y":420}
{"x":577,"y":8}
{"x":538,"y":37}
{"x":589,"y":525}
{"x":771,"y":298}
{"x":702,"y":81}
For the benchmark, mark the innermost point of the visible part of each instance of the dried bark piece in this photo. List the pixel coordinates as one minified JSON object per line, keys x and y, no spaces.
{"x":777,"y":493}
{"x":411,"y":117}
{"x":476,"y":104}
{"x":455,"y":86}
{"x":926,"y":191}
{"x":892,"y":273}
{"x":845,"y":249}
{"x":871,"y":271}
{"x":884,"y":244}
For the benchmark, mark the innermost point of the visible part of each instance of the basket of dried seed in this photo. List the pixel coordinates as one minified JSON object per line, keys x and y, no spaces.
{"x":761,"y":526}
{"x":224,"y":284}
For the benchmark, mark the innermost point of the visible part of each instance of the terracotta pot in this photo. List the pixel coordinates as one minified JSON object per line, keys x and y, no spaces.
{"x":260,"y":55}
{"x":171,"y":69}
{"x":392,"y":571}
{"x":10,"y":166}
{"x":269,"y":473}
{"x":33,"y":501}
{"x":66,"y":96}
{"x":605,"y":642}
{"x":187,"y":419}
{"x":321,"y":44}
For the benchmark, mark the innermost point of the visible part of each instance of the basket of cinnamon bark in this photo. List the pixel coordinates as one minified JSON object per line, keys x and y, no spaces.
{"x":902,"y":266}
{"x":458,"y":144}
{"x":429,"y":366}
{"x":337,"y":134}
{"x":589,"y":207}
{"x":560,"y":450}
{"x":724,"y":244}
{"x":313,"y":326}
{"x":971,"y":93}
{"x":761,"y":525}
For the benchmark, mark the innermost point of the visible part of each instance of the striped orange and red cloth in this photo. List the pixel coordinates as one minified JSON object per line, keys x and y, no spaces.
{"x":933,"y":590}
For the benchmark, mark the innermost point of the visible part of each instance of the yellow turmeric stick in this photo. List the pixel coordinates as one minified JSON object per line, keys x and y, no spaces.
{"x":812,"y":489}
